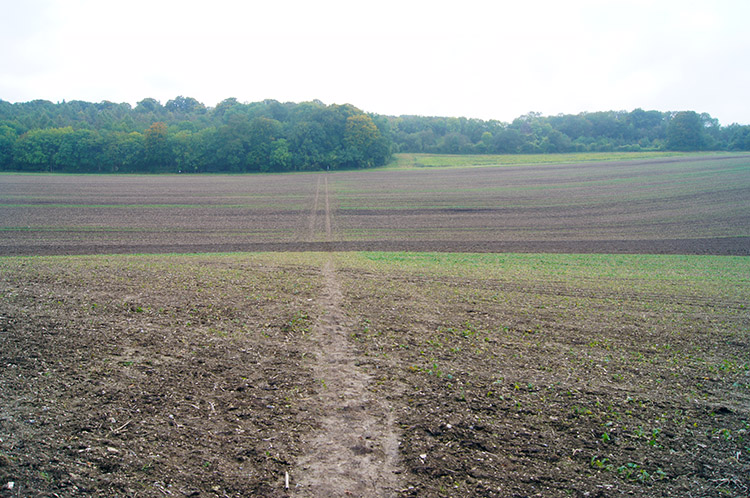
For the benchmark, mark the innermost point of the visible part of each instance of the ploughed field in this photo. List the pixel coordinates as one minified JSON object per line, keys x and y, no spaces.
{"x":693,"y":205}
{"x":315,"y":370}
{"x":500,"y":374}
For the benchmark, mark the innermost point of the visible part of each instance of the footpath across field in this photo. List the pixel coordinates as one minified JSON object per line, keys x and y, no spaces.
{"x":552,"y":330}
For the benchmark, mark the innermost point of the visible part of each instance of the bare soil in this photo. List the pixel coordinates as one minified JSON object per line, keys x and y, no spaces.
{"x":222,"y":375}
{"x":310,"y":375}
{"x":656,"y":207}
{"x":541,"y":389}
{"x":154,"y":380}
{"x":355,"y":452}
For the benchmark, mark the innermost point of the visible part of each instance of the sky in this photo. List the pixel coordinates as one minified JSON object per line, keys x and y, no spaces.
{"x":478,"y":59}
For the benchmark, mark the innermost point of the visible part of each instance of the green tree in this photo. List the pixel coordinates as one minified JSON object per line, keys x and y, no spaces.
{"x":8,"y":138}
{"x":148,"y":105}
{"x":739,"y":137}
{"x":685,"y":132}
{"x":185,"y":106}
{"x":156,"y":143}
{"x":281,"y":159}
{"x":125,"y":152}
{"x":261,"y":134}
{"x":185,"y":151}
{"x":360,"y":135}
{"x":44,"y":150}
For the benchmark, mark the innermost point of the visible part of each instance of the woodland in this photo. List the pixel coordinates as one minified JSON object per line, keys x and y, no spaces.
{"x":185,"y":136}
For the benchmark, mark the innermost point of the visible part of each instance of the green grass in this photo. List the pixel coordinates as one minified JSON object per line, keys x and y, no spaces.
{"x":716,"y":275}
{"x":722,"y":274}
{"x":413,"y":161}
{"x":287,"y":206}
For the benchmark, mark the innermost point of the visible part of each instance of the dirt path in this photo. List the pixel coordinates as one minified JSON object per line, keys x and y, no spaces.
{"x":319,"y":224}
{"x":329,"y":233}
{"x":314,"y":214}
{"x":355,"y":451}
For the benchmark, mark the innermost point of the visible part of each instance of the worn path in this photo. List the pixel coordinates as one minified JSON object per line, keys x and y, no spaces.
{"x":355,"y":450}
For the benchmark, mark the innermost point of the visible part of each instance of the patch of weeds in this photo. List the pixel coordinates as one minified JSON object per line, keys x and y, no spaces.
{"x":601,"y":463}
{"x":634,"y":472}
{"x":725,"y":434}
{"x":433,"y":369}
{"x":436,"y":371}
{"x":581,"y":411}
{"x":469,"y":330}
{"x":637,"y":356}
{"x":630,"y":471}
{"x":729,"y":367}
{"x":434,"y":343}
{"x":220,"y":333}
{"x":300,"y":322}
{"x":652,"y":440}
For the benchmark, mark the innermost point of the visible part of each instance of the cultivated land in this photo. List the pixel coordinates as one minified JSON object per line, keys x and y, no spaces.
{"x":683,"y":205}
{"x":379,"y":373}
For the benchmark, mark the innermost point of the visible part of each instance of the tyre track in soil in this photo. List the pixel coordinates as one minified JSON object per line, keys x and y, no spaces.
{"x":355,"y":450}
{"x":314,"y":214}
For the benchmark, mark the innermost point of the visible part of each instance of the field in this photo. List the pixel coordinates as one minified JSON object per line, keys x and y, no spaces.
{"x":390,"y":345}
{"x":683,"y":205}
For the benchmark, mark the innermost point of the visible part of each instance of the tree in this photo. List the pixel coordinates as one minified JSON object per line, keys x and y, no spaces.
{"x":453,"y":143}
{"x":685,"y":132}
{"x":44,"y":150}
{"x":185,"y":151}
{"x":125,"y":152}
{"x":7,"y":140}
{"x":148,"y":105}
{"x":360,"y":134}
{"x":185,"y":105}
{"x":158,"y":152}
{"x":281,"y":158}
{"x":226,"y":108}
{"x":739,"y":137}
{"x":260,"y":138}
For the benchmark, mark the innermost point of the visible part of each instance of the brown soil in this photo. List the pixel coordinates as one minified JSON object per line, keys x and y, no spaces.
{"x":149,"y":381}
{"x":355,"y":452}
{"x":221,"y":375}
{"x":538,"y":389}
{"x":233,"y":375}
{"x":689,"y":207}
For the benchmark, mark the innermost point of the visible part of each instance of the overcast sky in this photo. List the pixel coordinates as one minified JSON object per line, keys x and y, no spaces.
{"x":481,"y":59}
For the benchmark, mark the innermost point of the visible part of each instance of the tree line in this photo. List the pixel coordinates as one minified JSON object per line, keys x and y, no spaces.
{"x":585,"y":132}
{"x":184,"y":135}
